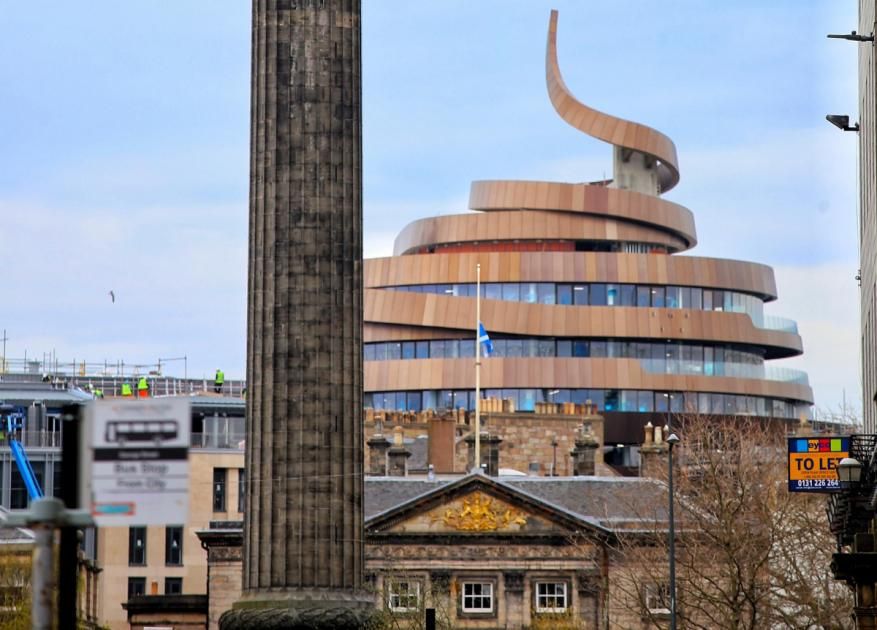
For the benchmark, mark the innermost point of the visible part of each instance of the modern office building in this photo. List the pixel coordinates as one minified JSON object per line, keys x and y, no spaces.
{"x":851,"y":513}
{"x":136,"y":560}
{"x":585,"y":296}
{"x":868,"y":211}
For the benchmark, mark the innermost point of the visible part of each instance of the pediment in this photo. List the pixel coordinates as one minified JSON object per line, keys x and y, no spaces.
{"x":473,"y":512}
{"x":476,"y":505}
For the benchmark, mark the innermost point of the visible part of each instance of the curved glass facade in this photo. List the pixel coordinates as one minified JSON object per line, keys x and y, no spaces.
{"x":607,"y":294}
{"x":628,"y":400}
{"x":655,"y":357}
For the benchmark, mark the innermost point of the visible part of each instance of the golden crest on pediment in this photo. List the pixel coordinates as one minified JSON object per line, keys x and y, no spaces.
{"x":478,"y":512}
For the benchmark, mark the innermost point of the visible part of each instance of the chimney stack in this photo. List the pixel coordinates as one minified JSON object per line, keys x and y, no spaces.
{"x":653,"y":452}
{"x":397,"y":456}
{"x":378,"y":445}
{"x":489,"y":452}
{"x":586,"y":444}
{"x":442,"y":436}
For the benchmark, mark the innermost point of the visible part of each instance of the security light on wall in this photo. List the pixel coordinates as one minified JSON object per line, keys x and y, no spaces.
{"x":841,"y":122}
{"x":853,"y":37}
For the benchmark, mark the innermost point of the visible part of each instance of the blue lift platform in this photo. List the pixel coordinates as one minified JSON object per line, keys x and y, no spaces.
{"x":14,"y":417}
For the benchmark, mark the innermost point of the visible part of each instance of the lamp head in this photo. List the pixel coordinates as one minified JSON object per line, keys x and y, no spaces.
{"x":849,"y":471}
{"x":842,"y":122}
{"x":672,"y":439}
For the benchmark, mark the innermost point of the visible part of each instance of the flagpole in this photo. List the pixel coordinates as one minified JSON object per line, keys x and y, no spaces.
{"x":477,"y":368}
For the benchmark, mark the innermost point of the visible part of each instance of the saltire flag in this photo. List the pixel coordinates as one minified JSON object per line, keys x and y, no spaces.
{"x":484,"y":339}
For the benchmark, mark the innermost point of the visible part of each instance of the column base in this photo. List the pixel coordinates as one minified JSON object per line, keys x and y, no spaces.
{"x":299,"y":612}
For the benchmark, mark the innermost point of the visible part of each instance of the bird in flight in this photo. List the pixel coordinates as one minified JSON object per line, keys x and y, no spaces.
{"x":112,"y":296}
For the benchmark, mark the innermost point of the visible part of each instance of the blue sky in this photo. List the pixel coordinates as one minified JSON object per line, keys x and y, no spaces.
{"x":124,"y":153}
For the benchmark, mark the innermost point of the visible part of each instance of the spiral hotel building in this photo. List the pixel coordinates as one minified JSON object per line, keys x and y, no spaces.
{"x":584,"y":296}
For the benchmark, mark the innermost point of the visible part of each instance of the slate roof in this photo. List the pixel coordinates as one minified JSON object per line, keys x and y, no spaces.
{"x":603,"y":499}
{"x":611,"y":502}
{"x":385,"y":493}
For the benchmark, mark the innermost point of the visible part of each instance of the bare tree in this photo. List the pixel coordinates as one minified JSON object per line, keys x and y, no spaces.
{"x":749,"y":554}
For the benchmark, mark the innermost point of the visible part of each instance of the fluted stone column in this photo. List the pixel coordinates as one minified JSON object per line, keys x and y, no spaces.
{"x":303,"y":554}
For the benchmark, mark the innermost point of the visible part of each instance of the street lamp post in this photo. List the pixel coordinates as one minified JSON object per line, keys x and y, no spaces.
{"x":672,"y":440}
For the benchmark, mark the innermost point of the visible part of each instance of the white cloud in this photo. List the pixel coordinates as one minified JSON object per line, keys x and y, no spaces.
{"x":824,"y":299}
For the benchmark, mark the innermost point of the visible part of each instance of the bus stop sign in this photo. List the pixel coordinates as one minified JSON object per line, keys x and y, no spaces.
{"x":139,"y":461}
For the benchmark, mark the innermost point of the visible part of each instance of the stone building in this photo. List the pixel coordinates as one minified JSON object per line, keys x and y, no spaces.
{"x":485,"y":552}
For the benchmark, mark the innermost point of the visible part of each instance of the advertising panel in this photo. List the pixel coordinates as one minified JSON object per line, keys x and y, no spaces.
{"x":813,"y":463}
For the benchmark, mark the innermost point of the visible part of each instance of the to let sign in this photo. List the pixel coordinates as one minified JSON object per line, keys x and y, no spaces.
{"x":813,"y":463}
{"x":139,"y":461}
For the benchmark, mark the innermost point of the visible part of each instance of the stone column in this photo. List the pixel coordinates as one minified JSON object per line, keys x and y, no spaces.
{"x":303,"y":554}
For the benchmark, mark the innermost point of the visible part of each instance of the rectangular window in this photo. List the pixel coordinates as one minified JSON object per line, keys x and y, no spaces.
{"x":403,"y":596}
{"x":173,"y":545}
{"x":580,"y":349}
{"x":173,"y":586}
{"x":685,"y":300}
{"x":645,"y":401}
{"x":564,"y":348}
{"x":219,"y":480}
{"x":136,"y":586}
{"x":628,"y":295}
{"x":514,"y":348}
{"x":551,"y":597}
{"x":658,"y":297}
{"x":611,"y":401}
{"x":511,"y":292}
{"x":18,"y":497}
{"x":368,"y":352}
{"x":394,"y":350}
{"x":580,"y":295}
{"x":414,"y":403}
{"x":643,"y":296}
{"x":421,"y":350}
{"x":436,"y":349}
{"x":137,"y":546}
{"x":656,"y":598}
{"x":598,"y":295}
{"x":545,"y":348}
{"x":546,"y":293}
{"x":696,"y":299}
{"x":242,"y":489}
{"x":613,"y":296}
{"x":564,"y":294}
{"x":673,"y":297}
{"x":529,"y":293}
{"x":493,"y":291}
{"x":467,"y":348}
{"x":477,"y":597}
{"x":408,"y":350}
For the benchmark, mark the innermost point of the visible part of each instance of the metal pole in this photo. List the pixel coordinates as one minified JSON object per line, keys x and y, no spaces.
{"x":68,"y":556}
{"x":43,"y":576}
{"x":672,"y":536}
{"x":477,"y":367}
